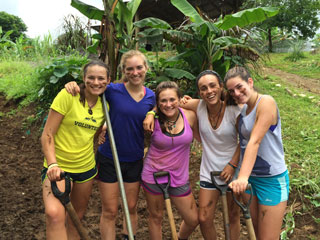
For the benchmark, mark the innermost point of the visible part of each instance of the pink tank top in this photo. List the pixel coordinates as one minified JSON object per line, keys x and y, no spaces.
{"x":169,"y":154}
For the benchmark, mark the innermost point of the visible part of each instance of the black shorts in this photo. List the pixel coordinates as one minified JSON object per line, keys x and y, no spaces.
{"x":75,"y":177}
{"x":131,"y":171}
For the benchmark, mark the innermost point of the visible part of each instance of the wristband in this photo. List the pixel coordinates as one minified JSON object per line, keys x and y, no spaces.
{"x":233,"y":166}
{"x":151,"y":112}
{"x":52,"y":165}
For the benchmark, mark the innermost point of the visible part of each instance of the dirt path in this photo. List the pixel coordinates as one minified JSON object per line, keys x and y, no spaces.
{"x":309,"y":84}
{"x":21,"y":208}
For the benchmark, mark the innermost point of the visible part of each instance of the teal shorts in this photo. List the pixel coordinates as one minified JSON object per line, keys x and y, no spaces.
{"x":270,"y":191}
{"x":75,"y":177}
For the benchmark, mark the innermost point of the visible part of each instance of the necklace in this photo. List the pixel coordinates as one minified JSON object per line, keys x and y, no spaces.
{"x":90,"y":107}
{"x":212,"y":118}
{"x":172,"y":124}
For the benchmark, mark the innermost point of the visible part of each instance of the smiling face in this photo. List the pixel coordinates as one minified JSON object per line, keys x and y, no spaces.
{"x":135,"y":70}
{"x":168,"y":102}
{"x":95,"y":80}
{"x":209,"y":89}
{"x":239,"y":89}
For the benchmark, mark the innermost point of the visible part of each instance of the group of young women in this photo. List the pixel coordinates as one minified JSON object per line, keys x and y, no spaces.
{"x":216,"y":120}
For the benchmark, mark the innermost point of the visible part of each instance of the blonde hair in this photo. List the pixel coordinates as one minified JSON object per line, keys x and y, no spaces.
{"x":130,"y":54}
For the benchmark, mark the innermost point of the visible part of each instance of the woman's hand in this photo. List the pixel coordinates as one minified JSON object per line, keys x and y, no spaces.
{"x":148,"y":123}
{"x":101,"y":137}
{"x":54,"y":173}
{"x":240,"y":185}
{"x":72,"y":88}
{"x":227,"y":173}
{"x":185,"y":99}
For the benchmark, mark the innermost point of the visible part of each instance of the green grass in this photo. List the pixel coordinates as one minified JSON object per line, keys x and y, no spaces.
{"x":305,"y":67}
{"x":300,"y":118}
{"x":18,"y":79}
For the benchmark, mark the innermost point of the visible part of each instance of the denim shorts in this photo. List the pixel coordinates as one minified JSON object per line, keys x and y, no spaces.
{"x":270,"y":191}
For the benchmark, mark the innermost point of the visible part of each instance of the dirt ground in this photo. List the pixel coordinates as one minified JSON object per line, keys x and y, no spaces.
{"x":21,"y":208}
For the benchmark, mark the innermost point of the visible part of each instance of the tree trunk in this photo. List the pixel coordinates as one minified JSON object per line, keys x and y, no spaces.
{"x":270,"y":40}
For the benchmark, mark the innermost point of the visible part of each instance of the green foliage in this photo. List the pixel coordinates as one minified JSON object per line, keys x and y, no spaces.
{"x":19,"y":81}
{"x":296,"y":51}
{"x":12,"y":23}
{"x":305,"y":67}
{"x":205,"y":44}
{"x":75,"y":34}
{"x":299,"y":17}
{"x":55,"y":75}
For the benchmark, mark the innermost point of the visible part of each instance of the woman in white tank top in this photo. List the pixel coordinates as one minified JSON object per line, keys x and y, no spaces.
{"x":217,"y":126}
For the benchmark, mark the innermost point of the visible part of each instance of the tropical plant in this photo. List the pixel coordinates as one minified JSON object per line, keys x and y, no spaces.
{"x":204,"y":43}
{"x":116,"y":30}
{"x":296,"y":51}
{"x":55,"y":75}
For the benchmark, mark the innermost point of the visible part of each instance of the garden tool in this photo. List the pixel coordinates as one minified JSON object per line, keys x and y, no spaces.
{"x":164,"y":189}
{"x":65,"y":200}
{"x":246,"y":213}
{"x":117,"y":167}
{"x":223,"y":192}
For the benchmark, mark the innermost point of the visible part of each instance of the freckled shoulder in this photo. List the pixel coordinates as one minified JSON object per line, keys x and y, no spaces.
{"x":190,"y":115}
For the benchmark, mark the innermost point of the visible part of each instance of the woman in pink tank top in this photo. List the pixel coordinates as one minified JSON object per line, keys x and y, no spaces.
{"x":169,"y":151}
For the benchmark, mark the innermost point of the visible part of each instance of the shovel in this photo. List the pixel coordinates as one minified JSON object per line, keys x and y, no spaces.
{"x":166,"y":197}
{"x":223,"y":192}
{"x":246,"y":213}
{"x":65,"y":200}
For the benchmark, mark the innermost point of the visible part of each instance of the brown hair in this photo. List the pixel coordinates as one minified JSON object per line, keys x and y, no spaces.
{"x":85,"y":69}
{"x":126,"y":56}
{"x":237,"y":71}
{"x":224,"y":96}
{"x":161,"y":87}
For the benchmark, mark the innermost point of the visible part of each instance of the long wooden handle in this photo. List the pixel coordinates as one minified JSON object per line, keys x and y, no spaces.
{"x":225,"y":216}
{"x":171,"y":220}
{"x":76,"y":221}
{"x":250,"y":229}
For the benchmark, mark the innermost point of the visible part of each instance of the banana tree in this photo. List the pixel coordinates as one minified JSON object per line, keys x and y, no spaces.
{"x":116,"y":28}
{"x":204,"y":43}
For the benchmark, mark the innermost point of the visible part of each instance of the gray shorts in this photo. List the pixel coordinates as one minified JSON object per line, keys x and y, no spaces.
{"x":154,"y":189}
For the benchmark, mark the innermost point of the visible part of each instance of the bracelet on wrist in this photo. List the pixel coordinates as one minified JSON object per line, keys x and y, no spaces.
{"x":233,"y":166}
{"x":151,"y":112}
{"x":52,"y":165}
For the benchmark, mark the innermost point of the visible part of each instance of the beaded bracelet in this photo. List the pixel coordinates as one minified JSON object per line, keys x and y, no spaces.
{"x":233,"y":166}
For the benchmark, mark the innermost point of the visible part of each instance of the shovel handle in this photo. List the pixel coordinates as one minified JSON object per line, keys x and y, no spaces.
{"x":222,"y":188}
{"x":62,"y":196}
{"x":165,"y":188}
{"x":171,"y":219}
{"x":76,"y":221}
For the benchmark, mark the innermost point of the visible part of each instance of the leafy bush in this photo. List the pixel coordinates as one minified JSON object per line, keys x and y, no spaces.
{"x":297,"y":51}
{"x":55,"y":75}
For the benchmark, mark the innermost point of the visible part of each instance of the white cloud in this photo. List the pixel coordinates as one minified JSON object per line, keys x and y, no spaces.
{"x":44,"y":16}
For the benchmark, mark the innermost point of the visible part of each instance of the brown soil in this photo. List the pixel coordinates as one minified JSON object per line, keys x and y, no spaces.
{"x":21,"y":208}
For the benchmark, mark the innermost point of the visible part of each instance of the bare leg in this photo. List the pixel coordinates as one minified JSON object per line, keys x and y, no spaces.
{"x":207,"y":205}
{"x":155,"y":205}
{"x":80,"y":196}
{"x":234,"y":217}
{"x":132,"y":195}
{"x":188,"y":210}
{"x":55,"y":212}
{"x":109,"y":199}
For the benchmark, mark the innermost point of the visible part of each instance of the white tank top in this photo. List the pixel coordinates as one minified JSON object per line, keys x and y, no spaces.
{"x":218,"y":145}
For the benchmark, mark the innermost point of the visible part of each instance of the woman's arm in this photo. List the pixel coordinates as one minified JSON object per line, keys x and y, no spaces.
{"x":72,"y":88}
{"x":193,"y":122}
{"x":189,"y":103}
{"x":48,"y":145}
{"x":265,"y":117}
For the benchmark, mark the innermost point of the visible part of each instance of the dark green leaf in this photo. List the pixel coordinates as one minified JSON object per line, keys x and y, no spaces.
{"x":89,"y":11}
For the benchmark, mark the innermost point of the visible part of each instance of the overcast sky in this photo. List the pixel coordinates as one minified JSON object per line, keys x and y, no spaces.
{"x":44,"y":16}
